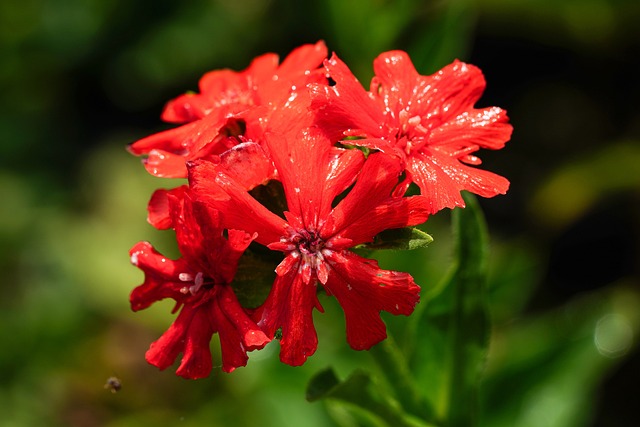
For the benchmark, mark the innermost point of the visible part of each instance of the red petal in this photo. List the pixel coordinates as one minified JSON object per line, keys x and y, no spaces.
{"x":225,"y":86}
{"x":222,"y":254}
{"x":370,"y":208}
{"x":238,"y":333}
{"x":196,"y":358}
{"x":300,"y":67}
{"x":213,"y":186}
{"x":363,"y":290}
{"x":345,"y":106}
{"x":163,"y":352}
{"x":303,"y":60}
{"x":486,"y":128}
{"x":312,"y":172}
{"x":395,"y":80}
{"x":189,"y":234}
{"x":170,"y":140}
{"x":169,"y":150}
{"x":165,"y":165}
{"x":290,"y":306}
{"x":441,"y":178}
{"x":449,"y":92}
{"x":261,"y":70}
{"x":158,"y":210}
{"x":186,"y":108}
{"x":397,"y":212}
{"x":290,"y":262}
{"x":190,"y":334}
{"x":248,"y":164}
{"x":161,"y":276}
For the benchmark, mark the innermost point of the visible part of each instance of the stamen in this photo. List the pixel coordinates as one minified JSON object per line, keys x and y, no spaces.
{"x":185,"y":277}
{"x":198,"y":283}
{"x":310,"y":247}
{"x":414,"y":121}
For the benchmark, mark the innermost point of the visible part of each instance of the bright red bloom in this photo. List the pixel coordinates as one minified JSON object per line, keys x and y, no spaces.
{"x":222,"y":115}
{"x":315,"y":236}
{"x":429,"y":122}
{"x":199,"y":282}
{"x":247,"y":160}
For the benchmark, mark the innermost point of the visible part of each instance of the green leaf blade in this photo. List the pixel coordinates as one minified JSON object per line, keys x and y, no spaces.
{"x":454,"y":326}
{"x":362,"y":391}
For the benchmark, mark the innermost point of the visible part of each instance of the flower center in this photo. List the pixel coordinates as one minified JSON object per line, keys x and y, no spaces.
{"x":312,"y":250}
{"x":307,"y":252}
{"x":199,"y":281}
{"x":412,"y":134}
{"x":308,"y":242}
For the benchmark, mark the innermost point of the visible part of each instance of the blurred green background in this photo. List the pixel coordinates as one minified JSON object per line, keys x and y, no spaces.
{"x":80,"y":79}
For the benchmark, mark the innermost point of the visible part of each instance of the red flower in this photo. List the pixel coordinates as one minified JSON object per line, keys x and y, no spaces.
{"x":315,"y":237}
{"x":427,"y":121}
{"x":248,"y":162}
{"x":222,"y":115}
{"x":199,"y":282}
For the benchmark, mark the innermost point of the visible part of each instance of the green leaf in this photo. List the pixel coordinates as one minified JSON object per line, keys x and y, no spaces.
{"x":394,"y":367}
{"x":408,"y":238}
{"x":255,"y":275}
{"x":363,"y":392}
{"x":453,"y":328}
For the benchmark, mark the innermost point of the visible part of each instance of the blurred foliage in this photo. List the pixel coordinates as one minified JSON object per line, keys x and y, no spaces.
{"x":81,"y":79}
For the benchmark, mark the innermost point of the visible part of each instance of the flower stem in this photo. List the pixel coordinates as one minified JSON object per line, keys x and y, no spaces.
{"x":395,"y":369}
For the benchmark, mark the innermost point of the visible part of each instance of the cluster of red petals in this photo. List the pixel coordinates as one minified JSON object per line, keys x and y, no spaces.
{"x":285,"y":121}
{"x":199,"y":282}
{"x":230,"y":108}
{"x":429,"y":122}
{"x":315,"y":237}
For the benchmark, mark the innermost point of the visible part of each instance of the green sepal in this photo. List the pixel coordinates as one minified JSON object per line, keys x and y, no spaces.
{"x":345,"y":144}
{"x":407,"y":238}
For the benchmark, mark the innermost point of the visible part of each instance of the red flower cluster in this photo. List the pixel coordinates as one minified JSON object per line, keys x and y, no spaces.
{"x":296,"y":124}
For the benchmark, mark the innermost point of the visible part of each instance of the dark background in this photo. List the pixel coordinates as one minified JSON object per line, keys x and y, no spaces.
{"x":81,"y":79}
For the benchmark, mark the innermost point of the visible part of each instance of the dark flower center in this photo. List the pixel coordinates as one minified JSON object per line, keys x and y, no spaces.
{"x":308,"y":242}
{"x":311,"y":250}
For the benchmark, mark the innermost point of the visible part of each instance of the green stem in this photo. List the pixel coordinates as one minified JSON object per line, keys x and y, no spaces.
{"x":394,"y":367}
{"x":469,"y":321}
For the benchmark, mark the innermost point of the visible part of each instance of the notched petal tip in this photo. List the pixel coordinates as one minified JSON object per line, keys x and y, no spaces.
{"x":255,"y":339}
